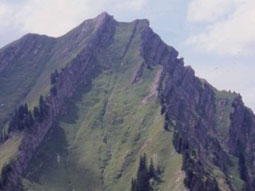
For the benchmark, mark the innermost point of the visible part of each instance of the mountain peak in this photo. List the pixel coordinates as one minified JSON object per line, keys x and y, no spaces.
{"x":102,"y":18}
{"x":104,"y":15}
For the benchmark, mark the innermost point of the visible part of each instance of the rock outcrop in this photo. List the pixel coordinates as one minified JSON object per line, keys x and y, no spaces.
{"x":189,"y":107}
{"x":241,"y":141}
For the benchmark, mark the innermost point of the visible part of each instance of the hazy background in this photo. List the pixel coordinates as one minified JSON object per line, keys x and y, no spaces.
{"x":215,"y":37}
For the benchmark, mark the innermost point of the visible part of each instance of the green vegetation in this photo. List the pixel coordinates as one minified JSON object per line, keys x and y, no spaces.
{"x":9,"y":149}
{"x":20,"y":76}
{"x":145,"y":176}
{"x":23,"y":118}
{"x":107,"y":125}
{"x":28,"y":76}
{"x":223,"y":101}
{"x":54,"y":77}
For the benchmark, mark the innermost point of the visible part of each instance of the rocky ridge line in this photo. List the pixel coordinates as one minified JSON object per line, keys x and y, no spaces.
{"x":189,"y":107}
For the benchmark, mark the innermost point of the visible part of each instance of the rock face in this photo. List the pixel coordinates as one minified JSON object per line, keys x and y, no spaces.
{"x":191,"y":106}
{"x":241,"y":141}
{"x":213,"y":131}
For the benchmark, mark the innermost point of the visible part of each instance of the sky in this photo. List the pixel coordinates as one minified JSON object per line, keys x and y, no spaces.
{"x":215,"y":37}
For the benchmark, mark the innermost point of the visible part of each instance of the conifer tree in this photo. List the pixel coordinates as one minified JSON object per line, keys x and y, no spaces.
{"x":53,"y":90}
{"x":26,"y":109}
{"x":151,"y":169}
{"x":54,"y":77}
{"x":43,"y":109}
{"x":133,"y":185}
{"x":36,"y":112}
{"x":141,"y":183}
{"x":29,"y":121}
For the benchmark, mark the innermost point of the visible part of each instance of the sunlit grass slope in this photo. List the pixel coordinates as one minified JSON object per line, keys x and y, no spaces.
{"x":27,"y":75}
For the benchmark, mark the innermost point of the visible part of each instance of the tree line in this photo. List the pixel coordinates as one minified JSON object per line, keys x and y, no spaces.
{"x":53,"y":79}
{"x":144,"y":176}
{"x":23,"y":118}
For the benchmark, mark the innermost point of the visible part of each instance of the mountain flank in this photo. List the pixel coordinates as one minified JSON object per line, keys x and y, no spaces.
{"x":96,"y":108}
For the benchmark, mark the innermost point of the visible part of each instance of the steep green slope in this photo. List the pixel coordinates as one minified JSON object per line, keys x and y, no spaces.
{"x":9,"y":150}
{"x":223,"y":103}
{"x":26,"y":65}
{"x":96,"y":144}
{"x":17,"y":78}
{"x":74,"y":42}
{"x":25,"y":69}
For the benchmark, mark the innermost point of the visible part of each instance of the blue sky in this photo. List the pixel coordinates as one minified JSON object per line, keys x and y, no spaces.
{"x":215,"y":37}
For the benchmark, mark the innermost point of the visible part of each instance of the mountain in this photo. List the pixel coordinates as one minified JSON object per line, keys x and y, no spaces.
{"x":92,"y":109}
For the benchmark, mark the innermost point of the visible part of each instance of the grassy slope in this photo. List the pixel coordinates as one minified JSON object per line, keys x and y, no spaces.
{"x":16,"y":81}
{"x":10,"y":148}
{"x":60,"y":57}
{"x":224,"y":108}
{"x":96,"y":145}
{"x":19,"y":77}
{"x":28,"y":76}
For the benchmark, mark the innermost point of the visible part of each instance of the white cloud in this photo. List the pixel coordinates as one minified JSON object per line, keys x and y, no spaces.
{"x":131,"y":4}
{"x":2,"y":10}
{"x":208,"y":10}
{"x":55,"y":17}
{"x":5,"y":11}
{"x":232,"y":34}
